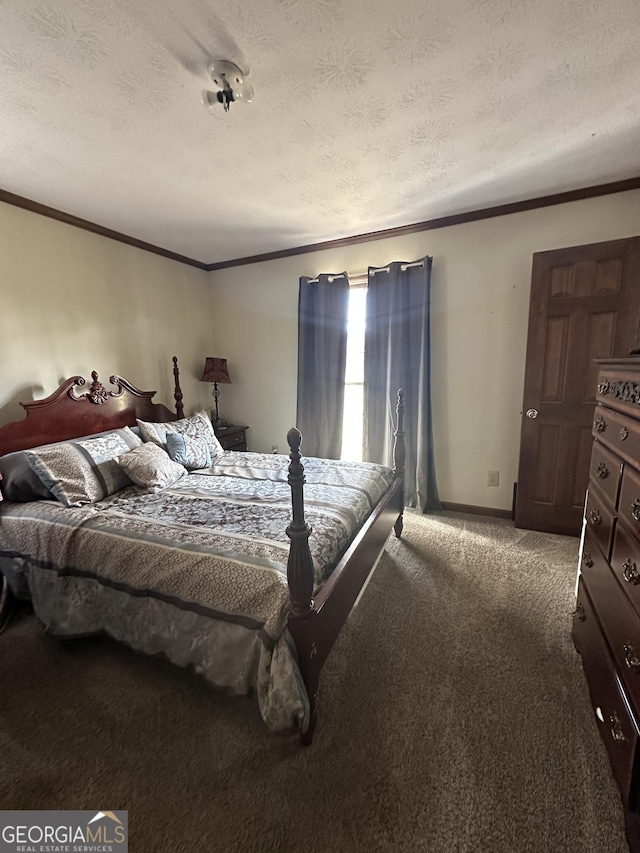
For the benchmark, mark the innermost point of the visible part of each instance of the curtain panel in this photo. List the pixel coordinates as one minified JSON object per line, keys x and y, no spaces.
{"x":323,"y":306}
{"x":397,"y":355}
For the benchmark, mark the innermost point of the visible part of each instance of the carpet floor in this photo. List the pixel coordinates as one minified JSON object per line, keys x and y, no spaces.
{"x":453,"y":716}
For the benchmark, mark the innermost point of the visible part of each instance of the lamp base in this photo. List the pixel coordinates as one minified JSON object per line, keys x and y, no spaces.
{"x":216,"y":420}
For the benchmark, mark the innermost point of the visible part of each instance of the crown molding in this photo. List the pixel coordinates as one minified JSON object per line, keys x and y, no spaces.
{"x":77,"y":222}
{"x":441,"y":222}
{"x":427,"y":225}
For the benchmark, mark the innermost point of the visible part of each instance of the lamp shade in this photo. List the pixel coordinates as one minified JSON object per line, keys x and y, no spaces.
{"x":215,"y":370}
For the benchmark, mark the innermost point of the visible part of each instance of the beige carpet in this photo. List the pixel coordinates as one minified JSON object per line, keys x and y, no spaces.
{"x":453,"y":716}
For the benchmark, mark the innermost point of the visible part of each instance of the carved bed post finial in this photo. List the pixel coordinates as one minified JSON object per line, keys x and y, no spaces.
{"x":399,"y":457}
{"x":300,"y":564}
{"x":177,"y":393}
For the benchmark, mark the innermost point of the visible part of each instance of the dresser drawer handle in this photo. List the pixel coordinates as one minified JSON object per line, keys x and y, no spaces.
{"x":631,"y":657}
{"x":602,"y":472}
{"x":587,"y":559}
{"x":635,"y":509}
{"x":580,"y":614}
{"x":624,"y":433}
{"x":616,"y":729}
{"x":630,"y":572}
{"x":599,"y":425}
{"x":595,"y":517}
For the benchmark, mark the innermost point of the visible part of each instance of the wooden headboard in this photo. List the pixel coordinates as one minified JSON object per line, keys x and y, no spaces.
{"x":66,"y":414}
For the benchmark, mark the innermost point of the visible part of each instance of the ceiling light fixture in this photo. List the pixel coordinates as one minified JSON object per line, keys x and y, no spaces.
{"x":230,"y":82}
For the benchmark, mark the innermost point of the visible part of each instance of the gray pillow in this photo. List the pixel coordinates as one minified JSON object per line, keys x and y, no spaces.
{"x":191,"y":451}
{"x":20,"y":483}
{"x":83,"y":470}
{"x":150,"y":467}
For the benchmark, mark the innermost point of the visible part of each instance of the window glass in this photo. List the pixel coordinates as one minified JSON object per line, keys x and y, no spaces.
{"x":354,"y":376}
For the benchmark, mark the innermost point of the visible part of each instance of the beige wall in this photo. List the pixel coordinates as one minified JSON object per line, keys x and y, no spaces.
{"x":72,"y":302}
{"x":480,"y":304}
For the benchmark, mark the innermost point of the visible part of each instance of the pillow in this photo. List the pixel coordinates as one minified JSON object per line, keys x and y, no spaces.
{"x":191,"y":451}
{"x":197,"y":426}
{"x":150,"y":467}
{"x":83,"y":470}
{"x":20,"y":483}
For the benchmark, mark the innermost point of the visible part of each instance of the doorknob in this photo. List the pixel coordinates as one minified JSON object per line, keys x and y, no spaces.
{"x":532,"y":413}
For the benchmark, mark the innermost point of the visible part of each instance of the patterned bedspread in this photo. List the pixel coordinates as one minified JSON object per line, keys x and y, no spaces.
{"x":197,"y":571}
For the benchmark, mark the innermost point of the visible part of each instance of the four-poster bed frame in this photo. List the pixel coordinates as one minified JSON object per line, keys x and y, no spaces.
{"x":314,"y":620}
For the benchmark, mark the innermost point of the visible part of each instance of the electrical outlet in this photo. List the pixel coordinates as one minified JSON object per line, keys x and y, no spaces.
{"x":493,"y":478}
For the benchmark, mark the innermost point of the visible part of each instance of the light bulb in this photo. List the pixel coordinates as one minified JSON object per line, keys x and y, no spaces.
{"x":210,"y":99}
{"x":244,"y":93}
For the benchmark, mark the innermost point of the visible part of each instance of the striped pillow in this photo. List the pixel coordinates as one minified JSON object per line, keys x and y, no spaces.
{"x":83,"y":470}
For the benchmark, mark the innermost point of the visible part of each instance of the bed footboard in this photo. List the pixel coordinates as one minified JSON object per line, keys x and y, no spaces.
{"x":315,"y":624}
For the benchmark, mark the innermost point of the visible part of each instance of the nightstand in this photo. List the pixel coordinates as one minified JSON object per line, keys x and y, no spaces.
{"x":233,"y":437}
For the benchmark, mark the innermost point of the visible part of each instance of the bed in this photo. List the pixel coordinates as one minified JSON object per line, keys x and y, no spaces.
{"x":245,"y":567}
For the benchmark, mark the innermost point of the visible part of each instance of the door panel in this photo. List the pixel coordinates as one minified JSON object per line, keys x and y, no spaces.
{"x":602,"y":334}
{"x":555,"y":358}
{"x":585,"y":304}
{"x":545,"y":473}
{"x":585,"y":445}
{"x":608,"y":276}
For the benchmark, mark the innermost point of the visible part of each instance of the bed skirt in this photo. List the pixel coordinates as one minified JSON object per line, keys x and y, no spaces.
{"x":234,"y":657}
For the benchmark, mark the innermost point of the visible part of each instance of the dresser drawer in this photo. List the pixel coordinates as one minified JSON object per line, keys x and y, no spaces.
{"x":617,"y":725}
{"x":620,"y":389}
{"x":625,"y":563}
{"x":600,"y":521}
{"x":629,"y":500}
{"x":605,"y":471}
{"x":618,"y":432}
{"x":618,"y":619}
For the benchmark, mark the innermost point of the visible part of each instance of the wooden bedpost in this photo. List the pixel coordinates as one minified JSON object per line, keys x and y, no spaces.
{"x":299,"y":565}
{"x":177,"y":389}
{"x":300,"y":577}
{"x":399,"y":457}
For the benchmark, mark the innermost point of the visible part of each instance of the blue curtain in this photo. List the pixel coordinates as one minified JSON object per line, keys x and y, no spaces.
{"x":323,"y":305}
{"x":397,"y":355}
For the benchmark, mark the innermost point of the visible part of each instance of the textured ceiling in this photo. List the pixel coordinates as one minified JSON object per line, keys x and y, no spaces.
{"x":367,"y":115}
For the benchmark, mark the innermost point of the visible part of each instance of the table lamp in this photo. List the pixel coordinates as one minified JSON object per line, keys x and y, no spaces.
{"x":215,"y":370}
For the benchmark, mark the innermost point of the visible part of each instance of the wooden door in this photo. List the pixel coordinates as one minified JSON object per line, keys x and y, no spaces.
{"x":585,"y":304}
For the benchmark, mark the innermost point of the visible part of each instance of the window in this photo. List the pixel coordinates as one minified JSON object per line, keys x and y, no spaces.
{"x":352,"y":424}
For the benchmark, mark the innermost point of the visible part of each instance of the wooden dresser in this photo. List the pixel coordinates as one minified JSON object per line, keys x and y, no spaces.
{"x":606,"y":626}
